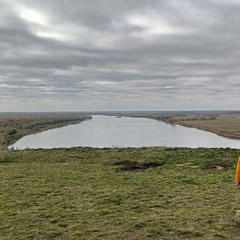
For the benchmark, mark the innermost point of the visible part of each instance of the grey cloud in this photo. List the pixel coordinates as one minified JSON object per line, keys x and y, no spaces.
{"x":109,"y":54}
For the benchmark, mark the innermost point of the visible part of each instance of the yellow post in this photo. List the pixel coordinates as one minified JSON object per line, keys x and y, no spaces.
{"x":237,"y":176}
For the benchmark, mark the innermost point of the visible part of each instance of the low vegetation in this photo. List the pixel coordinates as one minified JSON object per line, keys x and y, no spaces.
{"x":227,"y":126}
{"x":224,"y":125}
{"x":145,"y":193}
{"x":15,"y":126}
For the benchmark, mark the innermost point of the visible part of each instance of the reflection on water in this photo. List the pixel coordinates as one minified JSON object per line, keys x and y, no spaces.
{"x":109,"y":131}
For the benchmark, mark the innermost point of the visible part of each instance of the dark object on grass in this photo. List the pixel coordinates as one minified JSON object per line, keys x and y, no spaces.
{"x":127,"y":165}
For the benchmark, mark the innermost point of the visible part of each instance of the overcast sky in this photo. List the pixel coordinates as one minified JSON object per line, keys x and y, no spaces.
{"x":119,"y":55}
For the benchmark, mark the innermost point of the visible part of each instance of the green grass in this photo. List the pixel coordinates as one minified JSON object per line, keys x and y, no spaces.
{"x":223,"y":123}
{"x":81,"y":193}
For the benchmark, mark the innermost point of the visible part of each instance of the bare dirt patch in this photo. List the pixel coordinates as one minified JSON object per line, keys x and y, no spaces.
{"x":127,"y":165}
{"x":217,"y":166}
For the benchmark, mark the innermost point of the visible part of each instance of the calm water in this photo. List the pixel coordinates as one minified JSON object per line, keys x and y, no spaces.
{"x":109,"y":131}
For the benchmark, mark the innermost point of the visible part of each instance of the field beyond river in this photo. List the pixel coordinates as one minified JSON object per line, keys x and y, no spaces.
{"x":119,"y":193}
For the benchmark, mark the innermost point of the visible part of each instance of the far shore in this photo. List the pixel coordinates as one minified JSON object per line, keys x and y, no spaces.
{"x":226,"y":125}
{"x":15,"y":126}
{"x":209,"y":129}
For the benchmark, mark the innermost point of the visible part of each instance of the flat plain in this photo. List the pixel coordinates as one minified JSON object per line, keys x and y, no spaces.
{"x":225,"y":125}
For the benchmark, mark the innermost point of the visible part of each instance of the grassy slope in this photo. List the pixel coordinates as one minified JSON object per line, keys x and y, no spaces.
{"x":80,"y":194}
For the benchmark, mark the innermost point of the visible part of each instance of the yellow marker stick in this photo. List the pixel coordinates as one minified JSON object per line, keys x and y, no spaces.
{"x":237,"y":176}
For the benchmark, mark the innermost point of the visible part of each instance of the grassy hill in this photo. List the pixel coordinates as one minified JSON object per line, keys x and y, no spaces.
{"x":145,"y":193}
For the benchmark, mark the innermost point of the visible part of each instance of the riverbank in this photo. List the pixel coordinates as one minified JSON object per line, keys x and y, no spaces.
{"x":146,"y":193}
{"x":14,"y":126}
{"x":226,"y":126}
{"x":223,"y":125}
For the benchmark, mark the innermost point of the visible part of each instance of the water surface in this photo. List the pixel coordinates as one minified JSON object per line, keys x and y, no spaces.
{"x":110,"y":131}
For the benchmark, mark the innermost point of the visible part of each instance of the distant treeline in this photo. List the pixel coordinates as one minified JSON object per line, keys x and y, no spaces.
{"x":177,"y":119}
{"x":173,"y":119}
{"x":15,"y":126}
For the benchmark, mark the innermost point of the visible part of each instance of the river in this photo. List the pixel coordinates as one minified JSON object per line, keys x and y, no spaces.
{"x":111,"y":131}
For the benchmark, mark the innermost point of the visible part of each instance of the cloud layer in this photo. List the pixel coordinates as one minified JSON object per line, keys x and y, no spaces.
{"x":119,"y":55}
